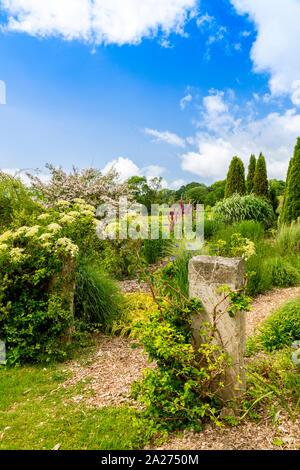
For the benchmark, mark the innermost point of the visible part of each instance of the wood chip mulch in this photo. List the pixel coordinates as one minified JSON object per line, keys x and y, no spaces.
{"x":245,"y":436}
{"x":110,"y":373}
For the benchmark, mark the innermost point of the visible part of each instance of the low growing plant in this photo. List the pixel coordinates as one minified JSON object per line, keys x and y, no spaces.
{"x":134,"y":308}
{"x":281,"y":328}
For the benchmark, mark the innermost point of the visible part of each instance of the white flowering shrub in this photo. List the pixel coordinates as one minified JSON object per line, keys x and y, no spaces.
{"x":88,"y":184}
{"x":35,"y":313}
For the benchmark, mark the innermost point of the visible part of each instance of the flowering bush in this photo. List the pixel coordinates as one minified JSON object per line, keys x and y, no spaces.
{"x":238,"y":246}
{"x":35,"y":306}
{"x":88,"y":184}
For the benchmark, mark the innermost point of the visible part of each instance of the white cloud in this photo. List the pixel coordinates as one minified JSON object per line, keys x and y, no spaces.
{"x":276,"y":47}
{"x":214,"y":103}
{"x":99,"y":21}
{"x":151,"y":171}
{"x":166,"y":136}
{"x":124,"y":166}
{"x":186,"y":99}
{"x":223,"y":133}
{"x":204,"y":20}
{"x":296,"y":92}
{"x":177,"y":184}
{"x":17,"y":172}
{"x":127,"y":168}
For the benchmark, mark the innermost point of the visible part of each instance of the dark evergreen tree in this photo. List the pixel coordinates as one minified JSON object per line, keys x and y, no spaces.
{"x":291,"y":204}
{"x":235,"y":182}
{"x":251,"y":173}
{"x":273,"y":198}
{"x":261,"y":184}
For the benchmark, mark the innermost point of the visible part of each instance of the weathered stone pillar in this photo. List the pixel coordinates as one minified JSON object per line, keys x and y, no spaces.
{"x":206,"y":274}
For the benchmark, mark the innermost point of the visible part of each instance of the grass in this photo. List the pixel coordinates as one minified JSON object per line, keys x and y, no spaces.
{"x":273,"y":383}
{"x":97,"y":297}
{"x":279,"y":329}
{"x":36,"y":413}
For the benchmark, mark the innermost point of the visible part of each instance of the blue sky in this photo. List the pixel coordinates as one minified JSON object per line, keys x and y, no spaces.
{"x":171,"y":88}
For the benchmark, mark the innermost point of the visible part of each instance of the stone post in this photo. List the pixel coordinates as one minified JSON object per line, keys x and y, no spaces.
{"x":206,"y":274}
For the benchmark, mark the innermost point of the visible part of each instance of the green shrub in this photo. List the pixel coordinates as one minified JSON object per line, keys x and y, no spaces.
{"x":272,"y":380}
{"x":35,"y":312}
{"x":281,"y":328}
{"x":288,"y":239}
{"x":134,"y":308}
{"x":236,"y":247}
{"x":250,"y":207}
{"x":37,"y":272}
{"x":16,"y":204}
{"x":118,"y":259}
{"x":283,"y":274}
{"x":97,"y":297}
{"x":177,"y":394}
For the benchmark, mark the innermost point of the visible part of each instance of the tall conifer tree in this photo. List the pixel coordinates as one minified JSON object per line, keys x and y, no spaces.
{"x":291,"y":204}
{"x":235,"y":182}
{"x":261,"y":184}
{"x":251,"y":173}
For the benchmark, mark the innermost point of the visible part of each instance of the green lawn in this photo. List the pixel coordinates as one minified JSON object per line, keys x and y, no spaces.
{"x":36,"y":413}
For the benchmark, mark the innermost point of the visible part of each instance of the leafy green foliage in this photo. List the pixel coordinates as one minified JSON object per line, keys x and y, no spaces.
{"x":235,"y":182}
{"x":37,"y":275}
{"x":281,"y":328}
{"x":16,"y":204}
{"x":268,"y":269}
{"x":135,"y":308}
{"x":176,"y":272}
{"x":118,"y":259}
{"x":196,"y":195}
{"x":216,"y":193}
{"x":178,"y":393}
{"x":211,"y":226}
{"x":236,"y":247}
{"x":238,"y":208}
{"x":260,"y":182}
{"x":282,"y":273}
